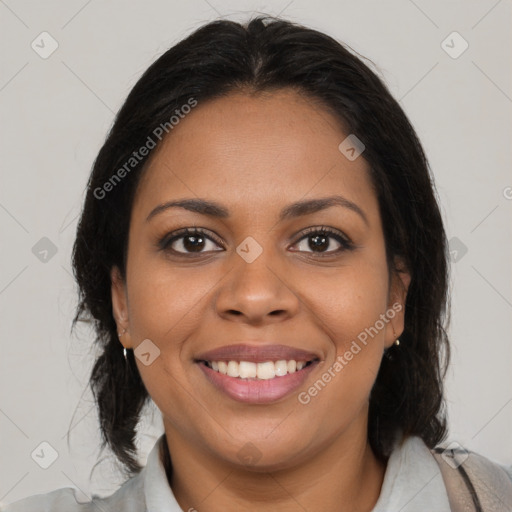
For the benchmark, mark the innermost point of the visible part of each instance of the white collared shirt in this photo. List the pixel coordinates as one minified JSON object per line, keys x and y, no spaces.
{"x":412,"y":483}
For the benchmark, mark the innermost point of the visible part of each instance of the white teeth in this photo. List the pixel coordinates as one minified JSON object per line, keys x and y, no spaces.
{"x":264,"y":371}
{"x":247,"y":369}
{"x":233,"y":369}
{"x":281,"y":368}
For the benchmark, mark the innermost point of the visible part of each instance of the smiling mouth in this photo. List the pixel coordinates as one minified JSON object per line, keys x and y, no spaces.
{"x":249,"y":370}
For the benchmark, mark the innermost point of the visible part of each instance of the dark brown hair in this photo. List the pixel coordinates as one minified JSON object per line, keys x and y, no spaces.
{"x":267,"y":54}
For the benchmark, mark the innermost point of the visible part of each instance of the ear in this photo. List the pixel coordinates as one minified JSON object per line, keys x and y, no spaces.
{"x":400,"y":280}
{"x":120,"y":306}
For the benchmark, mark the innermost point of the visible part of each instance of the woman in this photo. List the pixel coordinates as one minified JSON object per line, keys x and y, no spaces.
{"x":263,"y":255}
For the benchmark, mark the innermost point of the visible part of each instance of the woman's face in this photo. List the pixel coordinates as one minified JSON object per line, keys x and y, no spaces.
{"x":261,"y":283}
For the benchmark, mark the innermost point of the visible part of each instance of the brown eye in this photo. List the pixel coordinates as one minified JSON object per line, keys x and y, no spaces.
{"x":323,"y":241}
{"x":189,"y":241}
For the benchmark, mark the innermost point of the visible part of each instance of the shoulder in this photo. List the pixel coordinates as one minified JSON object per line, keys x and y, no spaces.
{"x":128,"y":498}
{"x":149,"y":489}
{"x":412,"y":481}
{"x":474,"y":480}
{"x":446,"y":478}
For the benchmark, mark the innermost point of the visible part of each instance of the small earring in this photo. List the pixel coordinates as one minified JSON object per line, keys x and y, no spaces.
{"x":397,"y":342}
{"x":121,"y":333}
{"x":124,"y":353}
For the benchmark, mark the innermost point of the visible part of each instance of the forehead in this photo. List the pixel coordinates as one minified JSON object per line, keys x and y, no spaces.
{"x":254,"y":152}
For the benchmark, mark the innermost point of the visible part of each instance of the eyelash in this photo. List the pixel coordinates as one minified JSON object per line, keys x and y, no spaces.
{"x":165,"y":243}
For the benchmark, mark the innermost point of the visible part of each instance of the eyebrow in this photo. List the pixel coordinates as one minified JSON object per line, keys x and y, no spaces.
{"x":297,"y":209}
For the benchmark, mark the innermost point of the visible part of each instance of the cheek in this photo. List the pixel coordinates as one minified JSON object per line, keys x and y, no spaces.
{"x":348,"y":306}
{"x":165,"y":302}
{"x":164,"y":308}
{"x":167,"y":305}
{"x":345,"y":302}
{"x":351,"y":319}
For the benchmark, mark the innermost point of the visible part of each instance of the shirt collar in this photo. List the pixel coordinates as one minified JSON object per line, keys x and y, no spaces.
{"x":157,"y":492}
{"x":412,"y":482}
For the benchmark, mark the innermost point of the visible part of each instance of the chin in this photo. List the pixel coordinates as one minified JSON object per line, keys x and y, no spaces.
{"x":262,"y":455}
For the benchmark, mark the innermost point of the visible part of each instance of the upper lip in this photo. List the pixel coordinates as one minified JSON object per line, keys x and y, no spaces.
{"x":256,"y":353}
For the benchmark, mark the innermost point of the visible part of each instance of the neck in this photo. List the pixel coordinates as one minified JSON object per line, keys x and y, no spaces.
{"x":345,"y":476}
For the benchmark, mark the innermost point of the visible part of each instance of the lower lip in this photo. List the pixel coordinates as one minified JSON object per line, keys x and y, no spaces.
{"x":257,"y":391}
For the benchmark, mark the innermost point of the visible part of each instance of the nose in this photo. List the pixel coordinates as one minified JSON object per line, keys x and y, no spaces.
{"x":257,"y":293}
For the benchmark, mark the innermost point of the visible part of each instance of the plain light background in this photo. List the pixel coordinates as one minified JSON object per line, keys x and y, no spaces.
{"x":56,"y":113}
